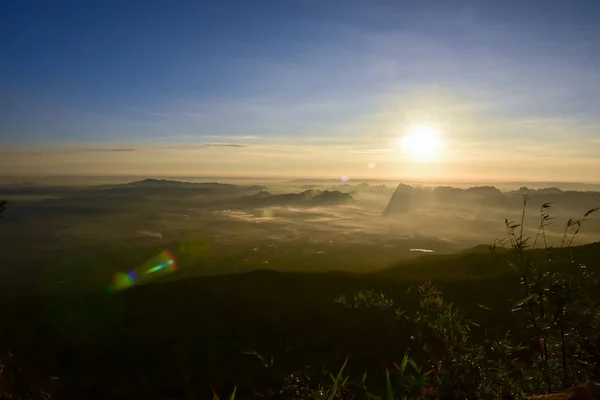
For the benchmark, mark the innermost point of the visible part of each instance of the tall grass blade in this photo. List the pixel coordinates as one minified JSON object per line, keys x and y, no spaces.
{"x":389,"y":392}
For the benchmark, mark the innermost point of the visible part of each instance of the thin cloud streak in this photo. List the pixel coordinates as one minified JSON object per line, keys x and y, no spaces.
{"x":66,"y":151}
{"x":92,"y":150}
{"x":232,"y":137}
{"x":234,"y":145}
{"x":206,"y":146}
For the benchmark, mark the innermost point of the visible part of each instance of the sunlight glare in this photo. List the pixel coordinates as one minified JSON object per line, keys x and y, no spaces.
{"x":422,"y":142}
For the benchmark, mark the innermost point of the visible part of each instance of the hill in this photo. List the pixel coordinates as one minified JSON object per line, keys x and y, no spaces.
{"x":480,"y":263}
{"x":312,"y":197}
{"x":166,"y":183}
{"x":193,"y":333}
{"x":407,"y":198}
{"x":401,"y":200}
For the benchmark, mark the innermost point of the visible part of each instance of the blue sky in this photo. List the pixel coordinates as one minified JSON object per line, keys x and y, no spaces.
{"x":333,"y":81}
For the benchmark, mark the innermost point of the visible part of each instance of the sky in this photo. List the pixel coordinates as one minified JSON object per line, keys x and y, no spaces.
{"x":301,"y":88}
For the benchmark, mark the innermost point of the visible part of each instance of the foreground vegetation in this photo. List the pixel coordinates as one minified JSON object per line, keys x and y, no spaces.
{"x":532,"y":327}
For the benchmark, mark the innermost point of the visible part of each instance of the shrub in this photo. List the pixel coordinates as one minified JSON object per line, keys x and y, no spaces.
{"x":559,"y":303}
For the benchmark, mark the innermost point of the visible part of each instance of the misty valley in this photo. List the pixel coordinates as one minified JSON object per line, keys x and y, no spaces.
{"x":79,"y":237}
{"x":188,"y":288}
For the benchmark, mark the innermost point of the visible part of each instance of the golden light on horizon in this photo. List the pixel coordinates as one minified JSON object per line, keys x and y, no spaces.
{"x":421,"y":143}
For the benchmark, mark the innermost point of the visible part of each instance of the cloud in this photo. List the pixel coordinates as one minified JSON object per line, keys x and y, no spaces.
{"x":102,"y":150}
{"x":208,"y":145}
{"x":232,"y":137}
{"x":41,"y":152}
{"x":190,"y":147}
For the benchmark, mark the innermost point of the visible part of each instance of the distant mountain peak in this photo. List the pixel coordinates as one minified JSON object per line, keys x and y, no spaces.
{"x":311,"y":196}
{"x":545,"y":191}
{"x":449,"y":192}
{"x":153,"y":181}
{"x":170,"y":182}
{"x":262,"y":194}
{"x":400,"y":201}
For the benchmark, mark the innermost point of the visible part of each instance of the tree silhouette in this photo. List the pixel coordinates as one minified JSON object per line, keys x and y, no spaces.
{"x":2,"y":207}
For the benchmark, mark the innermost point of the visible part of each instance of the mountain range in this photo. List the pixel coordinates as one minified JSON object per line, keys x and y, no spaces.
{"x":406,"y":197}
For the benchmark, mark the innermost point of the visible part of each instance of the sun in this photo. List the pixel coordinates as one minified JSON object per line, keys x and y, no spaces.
{"x":422,"y":142}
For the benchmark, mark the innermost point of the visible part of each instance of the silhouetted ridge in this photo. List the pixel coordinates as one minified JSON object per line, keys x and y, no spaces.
{"x":448,"y":193}
{"x":265,"y":198}
{"x":172,"y":183}
{"x":526,"y":190}
{"x":366,"y":188}
{"x":484,"y":191}
{"x":262,"y":194}
{"x":167,"y":183}
{"x":20,"y":184}
{"x":400,"y":201}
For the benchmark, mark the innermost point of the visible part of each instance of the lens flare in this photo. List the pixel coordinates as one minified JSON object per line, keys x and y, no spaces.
{"x":158,"y":267}
{"x":123,"y":280}
{"x":160,"y":264}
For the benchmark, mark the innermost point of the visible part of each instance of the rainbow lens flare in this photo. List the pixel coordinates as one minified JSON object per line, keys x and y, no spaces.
{"x":164,"y":261}
{"x":160,"y":264}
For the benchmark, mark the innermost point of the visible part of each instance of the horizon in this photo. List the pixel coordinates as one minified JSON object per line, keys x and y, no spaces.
{"x":99,"y":179}
{"x":459,"y":91}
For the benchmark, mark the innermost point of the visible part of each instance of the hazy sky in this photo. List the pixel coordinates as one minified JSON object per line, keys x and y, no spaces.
{"x":300,"y":88}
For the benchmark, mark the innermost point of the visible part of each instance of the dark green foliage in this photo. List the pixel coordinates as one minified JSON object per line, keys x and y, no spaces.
{"x":560,"y":303}
{"x":450,"y":364}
